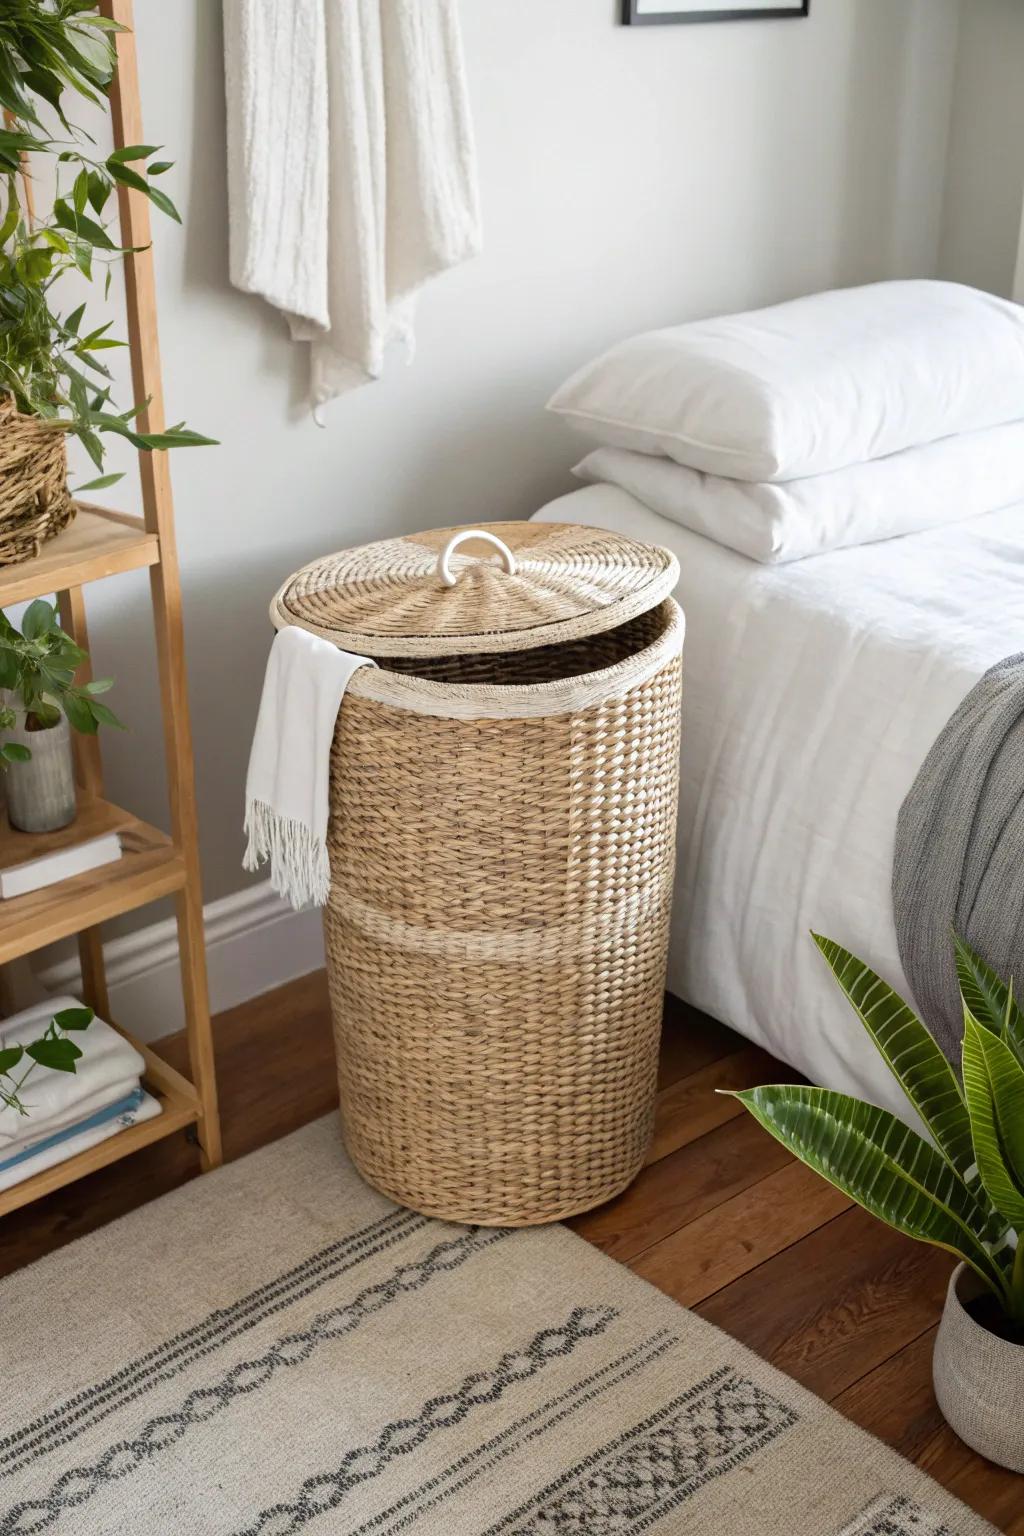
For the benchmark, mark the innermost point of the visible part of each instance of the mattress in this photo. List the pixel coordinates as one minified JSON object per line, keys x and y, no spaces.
{"x":812,"y":693}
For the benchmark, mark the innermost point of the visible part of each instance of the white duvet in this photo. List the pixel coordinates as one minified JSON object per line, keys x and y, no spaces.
{"x":812,"y":693}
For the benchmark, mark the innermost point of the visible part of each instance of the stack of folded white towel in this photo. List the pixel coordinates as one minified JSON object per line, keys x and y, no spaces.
{"x":69,"y":1112}
{"x":829,"y":421}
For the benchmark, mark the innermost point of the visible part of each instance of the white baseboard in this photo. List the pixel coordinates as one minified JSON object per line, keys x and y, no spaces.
{"x":254,"y":941}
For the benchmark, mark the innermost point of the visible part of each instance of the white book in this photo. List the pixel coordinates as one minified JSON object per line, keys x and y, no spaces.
{"x":34,"y":874}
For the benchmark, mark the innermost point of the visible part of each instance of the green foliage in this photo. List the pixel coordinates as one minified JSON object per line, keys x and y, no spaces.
{"x":38,"y":666}
{"x":49,"y":361}
{"x":53,"y":1050}
{"x":964,"y":1190}
{"x":989,"y":1001}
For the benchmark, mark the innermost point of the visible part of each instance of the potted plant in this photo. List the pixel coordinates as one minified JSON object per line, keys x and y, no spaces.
{"x":963,"y":1190}
{"x":40,"y":700}
{"x":53,"y":381}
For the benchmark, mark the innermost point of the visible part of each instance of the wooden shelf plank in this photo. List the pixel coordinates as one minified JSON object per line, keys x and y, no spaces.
{"x":97,"y":544}
{"x":162,"y":1079}
{"x":150,"y":866}
{"x":176,"y":1114}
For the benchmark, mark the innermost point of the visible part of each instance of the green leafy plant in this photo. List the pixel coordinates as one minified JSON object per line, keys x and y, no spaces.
{"x":38,"y":666}
{"x":963,"y":1190}
{"x":53,"y":1050}
{"x":51,"y":361}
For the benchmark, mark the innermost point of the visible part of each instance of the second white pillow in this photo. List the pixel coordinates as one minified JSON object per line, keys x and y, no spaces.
{"x":954,"y":478}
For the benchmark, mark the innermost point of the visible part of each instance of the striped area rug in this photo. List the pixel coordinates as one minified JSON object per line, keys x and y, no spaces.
{"x":276,"y":1349}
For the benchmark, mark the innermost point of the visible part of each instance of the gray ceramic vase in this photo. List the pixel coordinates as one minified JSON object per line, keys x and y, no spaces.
{"x":979,"y":1379}
{"x":41,"y":792}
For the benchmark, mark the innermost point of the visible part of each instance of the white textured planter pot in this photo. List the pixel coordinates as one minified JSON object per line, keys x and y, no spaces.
{"x":41,"y":792}
{"x":979,"y":1379}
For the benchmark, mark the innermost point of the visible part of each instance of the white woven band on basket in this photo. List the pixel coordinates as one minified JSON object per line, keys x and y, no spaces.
{"x":487,"y":701}
{"x":555,"y":943}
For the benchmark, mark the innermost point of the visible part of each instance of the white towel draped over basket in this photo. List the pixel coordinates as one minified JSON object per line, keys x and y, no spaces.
{"x":287,"y":788}
{"x":351,"y":167}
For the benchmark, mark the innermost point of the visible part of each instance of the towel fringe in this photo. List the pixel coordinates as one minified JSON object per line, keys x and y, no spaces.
{"x":300,"y":869}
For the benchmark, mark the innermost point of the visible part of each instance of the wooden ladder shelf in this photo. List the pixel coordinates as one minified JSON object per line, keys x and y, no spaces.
{"x":100,"y":543}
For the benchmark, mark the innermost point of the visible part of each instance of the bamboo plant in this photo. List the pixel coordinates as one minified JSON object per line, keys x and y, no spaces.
{"x":963,"y":1190}
{"x":51,"y":361}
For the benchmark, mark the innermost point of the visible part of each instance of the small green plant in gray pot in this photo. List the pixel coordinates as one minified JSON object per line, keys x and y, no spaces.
{"x":39,"y":704}
{"x":962,"y":1190}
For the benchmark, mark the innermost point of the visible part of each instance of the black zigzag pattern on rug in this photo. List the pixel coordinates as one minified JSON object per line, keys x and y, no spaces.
{"x":518,"y":1435}
{"x":79,"y":1484}
{"x":640,"y":1476}
{"x":67,"y":1420}
{"x":326,"y":1491}
{"x":896,"y":1515}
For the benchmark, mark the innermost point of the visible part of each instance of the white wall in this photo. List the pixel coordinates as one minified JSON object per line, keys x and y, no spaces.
{"x":981,"y":223}
{"x":631,"y":177}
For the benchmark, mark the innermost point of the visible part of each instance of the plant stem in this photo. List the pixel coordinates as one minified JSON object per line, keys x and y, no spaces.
{"x":11,"y":1100}
{"x":1016,"y":1286}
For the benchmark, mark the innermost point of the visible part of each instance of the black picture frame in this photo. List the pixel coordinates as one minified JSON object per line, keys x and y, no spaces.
{"x":632,"y":17}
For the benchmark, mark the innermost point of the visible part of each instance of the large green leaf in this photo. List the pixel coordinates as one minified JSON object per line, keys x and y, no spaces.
{"x":881,"y":1164}
{"x":909,"y":1052}
{"x":994,"y":1085}
{"x":59,"y":1055}
{"x":989,"y":999}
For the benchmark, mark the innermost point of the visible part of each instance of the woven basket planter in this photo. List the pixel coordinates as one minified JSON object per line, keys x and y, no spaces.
{"x":35,"y":503}
{"x":502,"y":845}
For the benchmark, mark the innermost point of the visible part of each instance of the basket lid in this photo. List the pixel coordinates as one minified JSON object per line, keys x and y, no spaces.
{"x":494,"y":587}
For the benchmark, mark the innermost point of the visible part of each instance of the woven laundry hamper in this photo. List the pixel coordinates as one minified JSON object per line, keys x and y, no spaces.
{"x":501,"y":840}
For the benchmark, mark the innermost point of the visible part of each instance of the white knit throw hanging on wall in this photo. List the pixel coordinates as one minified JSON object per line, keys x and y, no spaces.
{"x":351,"y":168}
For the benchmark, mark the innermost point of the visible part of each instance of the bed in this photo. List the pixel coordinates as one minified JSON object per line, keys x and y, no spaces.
{"x":812,"y":693}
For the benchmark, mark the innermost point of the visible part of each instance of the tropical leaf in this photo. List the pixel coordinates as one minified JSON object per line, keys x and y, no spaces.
{"x":179,"y":437}
{"x":74,"y":1018}
{"x":132,"y":152}
{"x":9,"y":1057}
{"x":104,"y":715}
{"x":79,"y":224}
{"x":994,"y":1085}
{"x":59,"y":1055}
{"x":989,"y":999}
{"x":38,"y":620}
{"x":881,"y":1164}
{"x":99,"y":484}
{"x":909,"y":1052}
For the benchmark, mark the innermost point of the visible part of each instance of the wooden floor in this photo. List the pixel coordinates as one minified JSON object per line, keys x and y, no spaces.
{"x":721,"y":1218}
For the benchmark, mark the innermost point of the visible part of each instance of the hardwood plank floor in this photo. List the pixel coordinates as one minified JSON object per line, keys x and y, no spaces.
{"x":721,"y":1218}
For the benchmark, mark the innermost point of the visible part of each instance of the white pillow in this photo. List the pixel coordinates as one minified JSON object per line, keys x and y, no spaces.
{"x":810,"y":386}
{"x":921,"y":488}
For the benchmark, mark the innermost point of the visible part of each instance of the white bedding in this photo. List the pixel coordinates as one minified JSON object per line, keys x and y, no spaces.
{"x":812,"y":693}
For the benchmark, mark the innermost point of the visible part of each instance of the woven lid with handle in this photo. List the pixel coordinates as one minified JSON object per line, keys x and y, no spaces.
{"x":494,"y":587}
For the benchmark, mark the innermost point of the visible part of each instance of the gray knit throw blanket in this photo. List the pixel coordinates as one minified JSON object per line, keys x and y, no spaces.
{"x":959,"y":857}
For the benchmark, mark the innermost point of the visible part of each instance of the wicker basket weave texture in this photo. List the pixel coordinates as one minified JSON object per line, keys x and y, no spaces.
{"x":35,"y":503}
{"x":384,"y":599}
{"x":497,"y":939}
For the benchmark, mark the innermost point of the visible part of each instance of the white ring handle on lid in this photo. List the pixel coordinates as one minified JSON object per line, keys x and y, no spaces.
{"x":444,"y":570}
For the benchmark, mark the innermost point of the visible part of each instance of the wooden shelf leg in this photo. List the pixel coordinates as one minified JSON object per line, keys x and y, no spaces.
{"x":192,"y":947}
{"x":158,"y":505}
{"x":94,"y":971}
{"x":89,"y":771}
